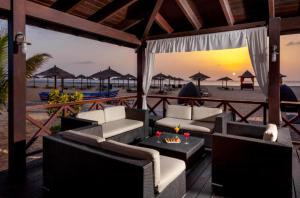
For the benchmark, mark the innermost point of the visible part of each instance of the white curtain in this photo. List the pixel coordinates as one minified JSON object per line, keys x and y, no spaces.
{"x":256,"y":38}
{"x":147,"y":76}
{"x":258,"y":46}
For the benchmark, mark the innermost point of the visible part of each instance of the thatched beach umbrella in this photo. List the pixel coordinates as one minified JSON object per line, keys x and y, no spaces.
{"x":199,"y":77}
{"x":129,"y":77}
{"x":89,"y":81}
{"x":81,"y":77}
{"x":226,"y":79}
{"x":161,"y":77}
{"x":169,"y":77}
{"x":33,"y":78}
{"x":106,"y":74}
{"x":56,"y":72}
{"x":47,"y":80}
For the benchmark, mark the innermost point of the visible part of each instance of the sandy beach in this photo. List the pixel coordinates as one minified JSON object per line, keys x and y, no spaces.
{"x":215,"y":92}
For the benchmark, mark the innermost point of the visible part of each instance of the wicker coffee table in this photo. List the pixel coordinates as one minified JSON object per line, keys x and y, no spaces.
{"x":190,"y":153}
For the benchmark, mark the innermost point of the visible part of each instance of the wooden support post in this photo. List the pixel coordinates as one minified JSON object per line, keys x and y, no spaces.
{"x":140,"y":71}
{"x":16,"y":100}
{"x":274,"y":70}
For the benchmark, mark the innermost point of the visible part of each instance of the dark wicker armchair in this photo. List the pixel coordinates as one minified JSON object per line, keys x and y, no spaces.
{"x":244,"y":165}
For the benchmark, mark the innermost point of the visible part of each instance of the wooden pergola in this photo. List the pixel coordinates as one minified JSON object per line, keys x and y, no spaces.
{"x":131,"y":23}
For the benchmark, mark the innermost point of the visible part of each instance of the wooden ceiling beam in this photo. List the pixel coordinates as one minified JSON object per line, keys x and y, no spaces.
{"x":110,"y":9}
{"x":290,"y":25}
{"x":63,"y":5}
{"x":209,"y":30}
{"x":152,"y":16}
{"x":271,"y":5}
{"x":162,"y":22}
{"x":189,"y":11}
{"x":48,"y":15}
{"x":127,"y":24}
{"x":227,"y":11}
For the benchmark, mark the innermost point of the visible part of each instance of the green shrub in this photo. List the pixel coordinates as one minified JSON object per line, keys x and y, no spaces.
{"x":56,"y":97}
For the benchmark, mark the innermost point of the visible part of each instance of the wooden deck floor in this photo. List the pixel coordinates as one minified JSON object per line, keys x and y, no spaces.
{"x":199,"y":179}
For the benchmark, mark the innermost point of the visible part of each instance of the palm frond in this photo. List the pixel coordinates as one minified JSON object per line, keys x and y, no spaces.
{"x":35,"y":62}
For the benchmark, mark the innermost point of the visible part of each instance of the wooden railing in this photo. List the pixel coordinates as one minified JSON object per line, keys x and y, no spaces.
{"x":290,"y":122}
{"x":57,"y":110}
{"x":157,"y":106}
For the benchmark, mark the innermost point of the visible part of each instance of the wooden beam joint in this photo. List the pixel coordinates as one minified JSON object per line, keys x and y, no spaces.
{"x":152,"y":16}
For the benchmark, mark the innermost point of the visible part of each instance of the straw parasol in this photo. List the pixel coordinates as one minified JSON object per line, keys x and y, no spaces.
{"x":226,"y":79}
{"x":179,"y":80}
{"x":81,"y":77}
{"x":56,"y":72}
{"x":161,"y":77}
{"x":199,"y":77}
{"x":169,"y":77}
{"x":129,"y":77}
{"x":33,"y":78}
{"x":106,"y":74}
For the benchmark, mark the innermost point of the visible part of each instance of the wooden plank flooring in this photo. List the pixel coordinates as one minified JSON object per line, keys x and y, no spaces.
{"x":199,"y":180}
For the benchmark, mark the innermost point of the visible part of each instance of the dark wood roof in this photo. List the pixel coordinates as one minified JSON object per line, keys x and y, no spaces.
{"x":146,"y":19}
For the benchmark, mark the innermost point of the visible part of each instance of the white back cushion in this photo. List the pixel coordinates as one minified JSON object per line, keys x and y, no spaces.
{"x":136,"y":152}
{"x":206,"y":113}
{"x":179,"y":111}
{"x":96,"y":115}
{"x":114,"y":113}
{"x":83,"y":138}
{"x":271,"y":133}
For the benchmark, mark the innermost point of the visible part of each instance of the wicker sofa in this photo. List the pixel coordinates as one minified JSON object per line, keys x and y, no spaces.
{"x":245,"y":164}
{"x":199,"y":121}
{"x":114,"y":123}
{"x":91,"y":166}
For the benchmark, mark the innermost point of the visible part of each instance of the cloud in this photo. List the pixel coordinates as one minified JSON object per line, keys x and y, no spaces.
{"x":293,"y":43}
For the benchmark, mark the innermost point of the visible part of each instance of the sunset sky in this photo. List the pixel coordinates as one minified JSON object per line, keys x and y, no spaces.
{"x":84,"y":56}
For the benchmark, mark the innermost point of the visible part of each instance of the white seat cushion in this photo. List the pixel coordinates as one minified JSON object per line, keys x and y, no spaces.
{"x":136,"y":152}
{"x":203,"y":127}
{"x":206,"y":113}
{"x":77,"y":136}
{"x":179,"y":111}
{"x":96,"y":115}
{"x":170,"y":169}
{"x":116,"y":127}
{"x":172,"y":122}
{"x":186,"y":124}
{"x":271,"y":133}
{"x":114,"y":113}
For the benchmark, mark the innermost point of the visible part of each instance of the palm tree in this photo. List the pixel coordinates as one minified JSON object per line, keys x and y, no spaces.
{"x":32,"y":64}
